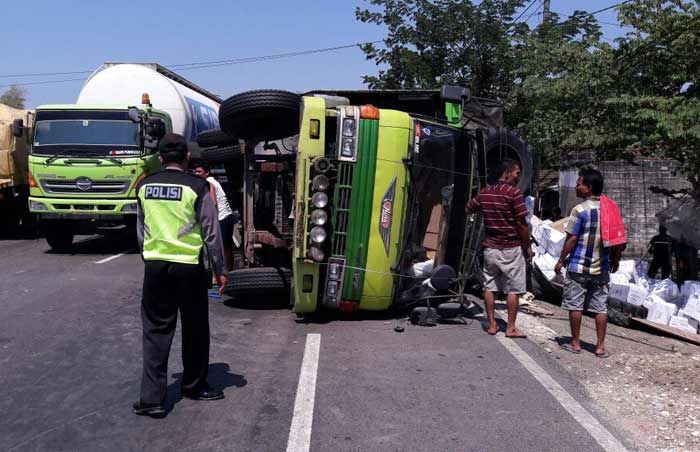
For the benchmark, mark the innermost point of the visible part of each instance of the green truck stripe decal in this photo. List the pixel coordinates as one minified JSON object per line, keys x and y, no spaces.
{"x":361,"y":209}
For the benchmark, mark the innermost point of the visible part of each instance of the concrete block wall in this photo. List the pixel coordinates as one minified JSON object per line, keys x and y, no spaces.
{"x":628,"y":183}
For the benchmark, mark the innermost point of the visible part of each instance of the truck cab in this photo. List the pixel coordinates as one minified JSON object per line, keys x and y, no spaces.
{"x":84,"y":164}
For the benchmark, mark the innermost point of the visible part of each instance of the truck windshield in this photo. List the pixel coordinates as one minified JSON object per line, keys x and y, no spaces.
{"x":111,"y":133}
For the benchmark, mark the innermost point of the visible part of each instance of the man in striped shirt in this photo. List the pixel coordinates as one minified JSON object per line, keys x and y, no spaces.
{"x":507,"y":243}
{"x":587,"y":263}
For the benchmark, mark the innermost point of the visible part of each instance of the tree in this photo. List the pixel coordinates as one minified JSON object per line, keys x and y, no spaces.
{"x":431,"y":43}
{"x":646,"y":114}
{"x":14,"y":96}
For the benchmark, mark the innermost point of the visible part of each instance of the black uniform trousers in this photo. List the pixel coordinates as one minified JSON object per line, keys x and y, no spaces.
{"x":167,"y":288}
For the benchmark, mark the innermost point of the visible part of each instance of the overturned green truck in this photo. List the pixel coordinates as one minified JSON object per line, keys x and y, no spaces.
{"x":377,"y":189}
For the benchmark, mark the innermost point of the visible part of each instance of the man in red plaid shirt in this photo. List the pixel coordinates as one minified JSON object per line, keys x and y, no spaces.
{"x":507,"y":244}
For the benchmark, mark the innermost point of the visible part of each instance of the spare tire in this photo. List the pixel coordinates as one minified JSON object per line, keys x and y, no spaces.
{"x":220,"y":155}
{"x":215,"y":137}
{"x":261,"y":114}
{"x":502,"y":143}
{"x":260,"y":281}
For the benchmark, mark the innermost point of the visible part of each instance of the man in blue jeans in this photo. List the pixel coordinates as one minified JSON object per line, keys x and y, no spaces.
{"x":588,"y":263}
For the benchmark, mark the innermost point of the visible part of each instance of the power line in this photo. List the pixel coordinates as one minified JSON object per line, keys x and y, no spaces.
{"x":532,"y":3}
{"x":607,"y":8}
{"x":187,"y":66}
{"x":533,"y":13}
{"x":46,"y":82}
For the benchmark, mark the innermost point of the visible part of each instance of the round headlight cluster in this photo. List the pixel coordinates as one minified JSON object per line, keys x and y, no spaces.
{"x":319,"y":200}
{"x":317,"y":234}
{"x":319,"y":217}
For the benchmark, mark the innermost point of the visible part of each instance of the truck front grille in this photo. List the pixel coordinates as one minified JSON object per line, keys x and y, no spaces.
{"x":342,"y":197}
{"x":107,"y":187}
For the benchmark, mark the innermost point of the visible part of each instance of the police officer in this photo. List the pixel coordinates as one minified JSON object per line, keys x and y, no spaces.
{"x":176,"y":218}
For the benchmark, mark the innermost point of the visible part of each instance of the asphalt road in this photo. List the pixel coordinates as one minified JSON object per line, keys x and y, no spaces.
{"x":70,"y":359}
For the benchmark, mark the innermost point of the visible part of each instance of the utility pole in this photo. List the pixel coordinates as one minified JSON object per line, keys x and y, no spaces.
{"x":545,"y":14}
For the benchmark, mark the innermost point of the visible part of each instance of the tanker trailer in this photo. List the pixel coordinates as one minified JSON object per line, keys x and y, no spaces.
{"x":86,"y":158}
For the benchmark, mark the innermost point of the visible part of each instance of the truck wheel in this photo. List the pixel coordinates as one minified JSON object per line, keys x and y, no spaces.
{"x":59,"y":238}
{"x":220,"y":155}
{"x":215,"y":137}
{"x":503,"y":143}
{"x":258,"y":282}
{"x":261,"y":114}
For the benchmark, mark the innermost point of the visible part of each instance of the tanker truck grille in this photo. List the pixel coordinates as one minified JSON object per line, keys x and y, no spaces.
{"x":78,"y":186}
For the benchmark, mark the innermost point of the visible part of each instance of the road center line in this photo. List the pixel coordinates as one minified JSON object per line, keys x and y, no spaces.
{"x":303,"y":417}
{"x":606,"y":440}
{"x":111,"y":258}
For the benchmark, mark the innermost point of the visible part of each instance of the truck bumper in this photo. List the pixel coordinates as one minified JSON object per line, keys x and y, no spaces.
{"x":112,"y":210}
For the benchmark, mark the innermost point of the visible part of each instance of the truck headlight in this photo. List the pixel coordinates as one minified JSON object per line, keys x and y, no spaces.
{"x":319,"y":200}
{"x":347,"y":148}
{"x":334,"y":271}
{"x":316,"y":254}
{"x":320,"y":182}
{"x":37,"y":206}
{"x":332,"y":289}
{"x":319,"y":217}
{"x":348,"y":127}
{"x":317,"y":234}
{"x":131,"y":207}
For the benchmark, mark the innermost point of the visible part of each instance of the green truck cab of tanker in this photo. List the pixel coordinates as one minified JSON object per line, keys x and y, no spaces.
{"x":370,"y":183}
{"x":85,"y":162}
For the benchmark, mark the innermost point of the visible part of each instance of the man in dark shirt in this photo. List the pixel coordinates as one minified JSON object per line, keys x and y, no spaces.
{"x":507,"y":243}
{"x":660,"y":247}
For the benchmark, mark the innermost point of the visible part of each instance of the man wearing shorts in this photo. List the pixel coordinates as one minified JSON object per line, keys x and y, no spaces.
{"x":227,"y":219}
{"x":587,"y":263}
{"x":507,"y":243}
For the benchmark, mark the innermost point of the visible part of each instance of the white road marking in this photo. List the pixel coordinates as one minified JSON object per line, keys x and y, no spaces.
{"x":303,"y":417}
{"x":111,"y":258}
{"x":606,"y":440}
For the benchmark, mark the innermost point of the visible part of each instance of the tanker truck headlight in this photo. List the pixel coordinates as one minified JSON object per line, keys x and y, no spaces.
{"x":317,"y":234}
{"x":348,"y":127}
{"x":347,"y":148}
{"x":319,"y":217}
{"x":319,"y":200}
{"x":316,"y":254}
{"x":320,"y":182}
{"x":36,"y":206}
{"x":131,"y":207}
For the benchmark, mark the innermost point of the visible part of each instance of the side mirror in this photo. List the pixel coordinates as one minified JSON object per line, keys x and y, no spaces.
{"x":134,"y":114}
{"x":155,"y":128}
{"x":18,"y":127}
{"x":456,"y":94}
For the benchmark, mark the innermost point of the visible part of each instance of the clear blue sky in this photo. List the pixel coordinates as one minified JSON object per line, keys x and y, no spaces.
{"x":69,"y":35}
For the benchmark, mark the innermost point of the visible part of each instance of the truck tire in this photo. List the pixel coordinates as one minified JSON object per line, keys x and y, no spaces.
{"x":215,"y":137}
{"x":220,"y":155}
{"x":503,"y":143}
{"x":261,"y":114}
{"x":59,"y":238}
{"x":257,"y":282}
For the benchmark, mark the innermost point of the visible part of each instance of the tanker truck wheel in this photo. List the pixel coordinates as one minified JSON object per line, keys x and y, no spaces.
{"x":221,"y":155}
{"x":261,"y":114}
{"x":59,"y":236}
{"x":503,"y":143}
{"x":215,"y":137}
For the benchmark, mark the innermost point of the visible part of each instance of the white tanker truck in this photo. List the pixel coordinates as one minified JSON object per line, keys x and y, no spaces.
{"x":86,"y":158}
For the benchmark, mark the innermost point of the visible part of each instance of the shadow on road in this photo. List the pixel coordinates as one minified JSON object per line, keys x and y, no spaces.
{"x":219,"y":377}
{"x":99,"y":245}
